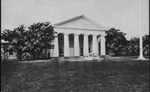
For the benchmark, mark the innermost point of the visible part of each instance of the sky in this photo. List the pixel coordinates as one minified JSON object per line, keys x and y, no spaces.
{"x":121,"y":14}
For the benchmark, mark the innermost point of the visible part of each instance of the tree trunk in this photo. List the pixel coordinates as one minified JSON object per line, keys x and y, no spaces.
{"x":46,"y":53}
{"x":38,"y":55}
{"x":19,"y":56}
{"x":34,"y":55}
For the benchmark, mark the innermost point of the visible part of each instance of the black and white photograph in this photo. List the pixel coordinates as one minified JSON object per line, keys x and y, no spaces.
{"x":75,"y":46}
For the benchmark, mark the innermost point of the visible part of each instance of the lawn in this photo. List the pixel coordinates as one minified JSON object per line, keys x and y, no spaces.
{"x":54,"y":76}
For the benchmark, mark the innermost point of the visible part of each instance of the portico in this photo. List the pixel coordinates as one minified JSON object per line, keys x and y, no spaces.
{"x":78,"y":36}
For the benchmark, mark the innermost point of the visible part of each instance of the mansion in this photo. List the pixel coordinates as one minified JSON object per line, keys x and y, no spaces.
{"x":78,"y":36}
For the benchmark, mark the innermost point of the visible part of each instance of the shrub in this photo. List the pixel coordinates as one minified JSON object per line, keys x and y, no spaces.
{"x":27,"y":56}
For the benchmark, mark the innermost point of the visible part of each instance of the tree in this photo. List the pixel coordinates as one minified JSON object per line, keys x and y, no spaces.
{"x":33,"y":39}
{"x":115,"y":41}
{"x":16,"y":39}
{"x":146,"y":45}
{"x":133,"y":46}
{"x":40,"y":37}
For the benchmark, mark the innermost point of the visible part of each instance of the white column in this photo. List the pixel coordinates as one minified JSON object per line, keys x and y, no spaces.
{"x":76,"y":44}
{"x":86,"y":47}
{"x":103,"y":52}
{"x":66,"y":44}
{"x":99,"y":49}
{"x":95,"y":44}
{"x":56,"y":50}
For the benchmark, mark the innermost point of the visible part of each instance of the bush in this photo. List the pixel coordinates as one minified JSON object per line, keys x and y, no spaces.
{"x":27,"y":56}
{"x":111,"y":53}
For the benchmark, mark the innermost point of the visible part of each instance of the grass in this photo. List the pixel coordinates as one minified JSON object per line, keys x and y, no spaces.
{"x":108,"y":76}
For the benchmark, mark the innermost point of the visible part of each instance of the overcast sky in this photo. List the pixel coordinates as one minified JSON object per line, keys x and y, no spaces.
{"x":121,"y":14}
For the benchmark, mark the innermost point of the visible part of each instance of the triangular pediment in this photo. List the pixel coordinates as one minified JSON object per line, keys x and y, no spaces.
{"x":80,"y":22}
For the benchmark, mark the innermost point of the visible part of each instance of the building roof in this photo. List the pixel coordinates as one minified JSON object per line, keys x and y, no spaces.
{"x":80,"y":21}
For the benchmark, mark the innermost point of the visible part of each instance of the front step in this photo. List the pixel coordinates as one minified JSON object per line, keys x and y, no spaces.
{"x":78,"y":58}
{"x":71,"y":58}
{"x":105,"y":57}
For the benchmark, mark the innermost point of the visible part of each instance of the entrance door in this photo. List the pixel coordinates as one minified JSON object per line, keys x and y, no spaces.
{"x":71,"y":51}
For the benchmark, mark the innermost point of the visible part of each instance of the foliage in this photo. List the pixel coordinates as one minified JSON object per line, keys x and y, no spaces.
{"x":16,"y":38}
{"x":33,"y":39}
{"x":26,"y":56}
{"x":133,"y":46}
{"x":116,"y":44}
{"x":40,"y":37}
{"x":115,"y":41}
{"x":146,"y":45}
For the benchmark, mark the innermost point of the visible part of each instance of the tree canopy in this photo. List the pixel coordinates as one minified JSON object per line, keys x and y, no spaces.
{"x":116,"y":44}
{"x":115,"y":40}
{"x":33,"y":39}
